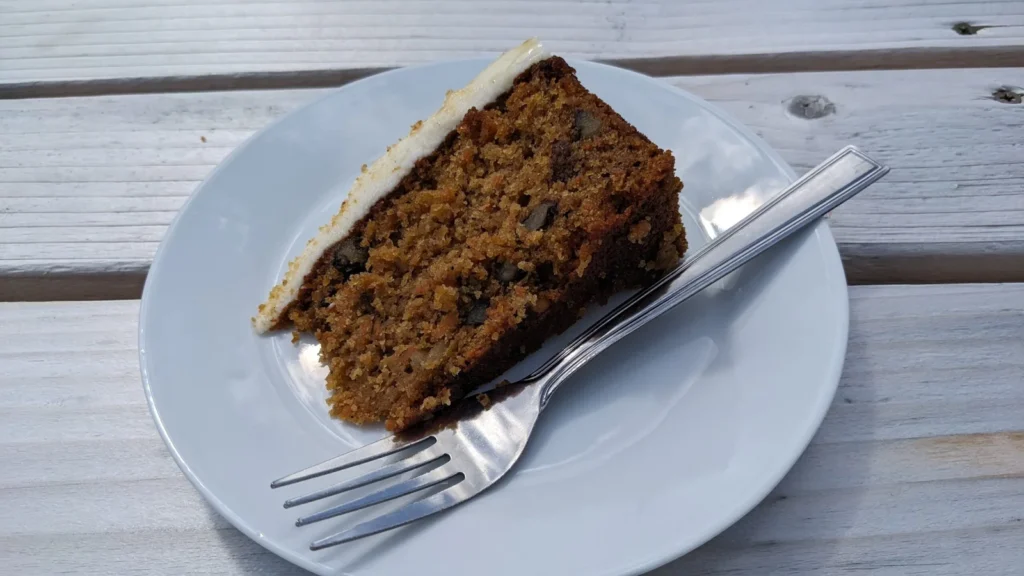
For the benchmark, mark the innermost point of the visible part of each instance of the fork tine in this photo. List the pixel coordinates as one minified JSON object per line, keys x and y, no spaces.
{"x":432,"y":478}
{"x":421,"y":458}
{"x":404,"y":515}
{"x":378,"y":449}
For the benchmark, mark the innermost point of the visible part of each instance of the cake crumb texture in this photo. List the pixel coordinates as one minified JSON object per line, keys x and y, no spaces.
{"x":542,"y":202}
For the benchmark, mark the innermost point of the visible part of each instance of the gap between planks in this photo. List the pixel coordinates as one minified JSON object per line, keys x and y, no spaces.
{"x":59,"y":47}
{"x":823,"y":61}
{"x":861,"y":267}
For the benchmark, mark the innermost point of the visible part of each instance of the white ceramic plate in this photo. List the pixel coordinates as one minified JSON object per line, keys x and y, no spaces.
{"x":651,"y":450}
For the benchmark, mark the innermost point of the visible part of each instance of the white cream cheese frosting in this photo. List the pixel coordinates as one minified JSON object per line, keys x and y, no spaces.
{"x":387,"y":171}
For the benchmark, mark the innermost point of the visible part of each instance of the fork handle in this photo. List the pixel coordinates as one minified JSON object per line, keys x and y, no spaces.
{"x":825,"y":187}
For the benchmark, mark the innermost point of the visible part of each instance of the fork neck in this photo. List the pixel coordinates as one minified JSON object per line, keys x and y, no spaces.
{"x":826,"y":186}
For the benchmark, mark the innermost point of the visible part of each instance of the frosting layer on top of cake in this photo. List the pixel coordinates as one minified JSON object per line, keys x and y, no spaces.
{"x":387,"y":171}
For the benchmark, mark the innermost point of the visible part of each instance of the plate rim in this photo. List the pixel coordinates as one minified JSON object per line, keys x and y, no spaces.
{"x":822,"y":237}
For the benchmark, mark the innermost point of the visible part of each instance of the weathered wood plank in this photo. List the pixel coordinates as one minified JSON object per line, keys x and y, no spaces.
{"x":989,"y":550}
{"x":88,"y":185}
{"x":251,"y":44}
{"x":952,"y":209}
{"x":881,"y":488}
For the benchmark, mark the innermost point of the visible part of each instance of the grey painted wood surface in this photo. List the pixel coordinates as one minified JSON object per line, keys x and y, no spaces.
{"x":47,"y":41}
{"x":918,"y":468}
{"x":88,"y":185}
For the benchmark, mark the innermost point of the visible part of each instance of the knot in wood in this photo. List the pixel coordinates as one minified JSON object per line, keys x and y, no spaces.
{"x":811,"y":107}
{"x":1008,"y":95}
{"x":966,"y":28}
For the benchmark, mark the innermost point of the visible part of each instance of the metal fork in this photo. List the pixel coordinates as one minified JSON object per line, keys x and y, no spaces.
{"x":477,"y":442}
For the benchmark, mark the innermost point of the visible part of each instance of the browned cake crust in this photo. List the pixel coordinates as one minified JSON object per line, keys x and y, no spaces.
{"x":534,"y":207}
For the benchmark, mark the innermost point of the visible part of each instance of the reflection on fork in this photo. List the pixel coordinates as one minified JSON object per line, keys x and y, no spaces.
{"x":463,"y":451}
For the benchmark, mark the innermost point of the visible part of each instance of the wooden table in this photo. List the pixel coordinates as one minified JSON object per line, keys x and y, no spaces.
{"x":112,"y":111}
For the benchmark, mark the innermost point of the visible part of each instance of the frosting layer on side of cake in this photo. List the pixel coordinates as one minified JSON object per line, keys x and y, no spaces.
{"x":387,"y":171}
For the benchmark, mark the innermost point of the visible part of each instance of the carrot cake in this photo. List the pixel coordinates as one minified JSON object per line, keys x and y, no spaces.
{"x":483,"y":232}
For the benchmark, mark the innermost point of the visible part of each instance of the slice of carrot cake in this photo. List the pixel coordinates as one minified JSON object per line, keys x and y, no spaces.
{"x":483,"y":232}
